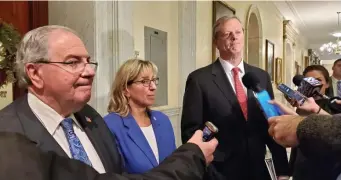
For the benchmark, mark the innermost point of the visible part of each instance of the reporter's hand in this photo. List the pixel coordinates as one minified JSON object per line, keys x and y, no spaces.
{"x":309,"y":105}
{"x":283,"y":129}
{"x":285,"y":109}
{"x":338,"y":101}
{"x":292,"y":102}
{"x":207,"y":148}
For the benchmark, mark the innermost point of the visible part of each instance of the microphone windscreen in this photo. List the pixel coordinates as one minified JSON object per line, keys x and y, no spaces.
{"x":297,"y":80}
{"x":251,"y":81}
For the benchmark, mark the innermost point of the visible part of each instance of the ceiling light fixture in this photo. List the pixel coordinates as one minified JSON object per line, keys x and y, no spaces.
{"x":333,"y":47}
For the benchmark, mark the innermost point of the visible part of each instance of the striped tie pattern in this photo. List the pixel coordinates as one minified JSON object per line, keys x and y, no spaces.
{"x":240,"y":93}
{"x":339,"y":88}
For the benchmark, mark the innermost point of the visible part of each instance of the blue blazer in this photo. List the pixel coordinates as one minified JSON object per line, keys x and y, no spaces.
{"x":138,"y":155}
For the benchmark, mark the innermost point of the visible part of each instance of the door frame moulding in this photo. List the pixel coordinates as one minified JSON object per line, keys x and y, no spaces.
{"x":254,"y":9}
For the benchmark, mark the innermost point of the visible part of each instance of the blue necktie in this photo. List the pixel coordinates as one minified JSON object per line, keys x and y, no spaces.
{"x":339,"y":88}
{"x":75,"y":145}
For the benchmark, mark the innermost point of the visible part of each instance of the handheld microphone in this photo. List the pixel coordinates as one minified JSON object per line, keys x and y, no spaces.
{"x":308,"y":86}
{"x":251,"y":81}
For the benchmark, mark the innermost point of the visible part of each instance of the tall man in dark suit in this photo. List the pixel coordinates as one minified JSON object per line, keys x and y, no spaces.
{"x":335,"y":80}
{"x":215,"y":93}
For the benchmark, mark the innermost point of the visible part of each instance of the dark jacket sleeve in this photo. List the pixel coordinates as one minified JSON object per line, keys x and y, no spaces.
{"x":320,"y":137}
{"x":21,"y":159}
{"x":279,"y":154}
{"x":192,"y":108}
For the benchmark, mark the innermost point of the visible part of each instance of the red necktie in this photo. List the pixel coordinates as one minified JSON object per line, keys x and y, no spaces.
{"x":240,"y":93}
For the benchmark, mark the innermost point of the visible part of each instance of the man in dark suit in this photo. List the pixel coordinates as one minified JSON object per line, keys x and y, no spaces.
{"x":334,"y":81}
{"x":21,"y":159}
{"x":54,"y":65}
{"x":215,"y":93}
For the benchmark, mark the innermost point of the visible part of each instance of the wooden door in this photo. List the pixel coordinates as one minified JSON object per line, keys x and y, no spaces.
{"x":25,"y":16}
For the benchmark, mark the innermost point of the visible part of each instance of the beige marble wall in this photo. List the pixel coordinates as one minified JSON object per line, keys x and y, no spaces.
{"x":77,"y":15}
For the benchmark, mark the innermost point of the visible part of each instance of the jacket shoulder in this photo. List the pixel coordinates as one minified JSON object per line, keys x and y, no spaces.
{"x":113,"y":121}
{"x":9,"y":119}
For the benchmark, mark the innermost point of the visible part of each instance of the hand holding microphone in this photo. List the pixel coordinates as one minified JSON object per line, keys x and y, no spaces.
{"x":207,"y":148}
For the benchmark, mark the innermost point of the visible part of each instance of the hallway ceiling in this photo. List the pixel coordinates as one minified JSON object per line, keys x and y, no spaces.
{"x":316,"y":20}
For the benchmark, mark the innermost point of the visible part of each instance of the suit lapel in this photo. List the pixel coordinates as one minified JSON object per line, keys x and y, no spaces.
{"x":89,"y":125}
{"x":34,"y":130}
{"x":222,"y":82}
{"x":158,"y":136}
{"x":250,"y":96}
{"x":220,"y":79}
{"x":136,"y":134}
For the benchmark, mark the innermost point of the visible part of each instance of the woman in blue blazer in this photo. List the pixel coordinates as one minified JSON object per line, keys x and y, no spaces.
{"x":145,"y":137}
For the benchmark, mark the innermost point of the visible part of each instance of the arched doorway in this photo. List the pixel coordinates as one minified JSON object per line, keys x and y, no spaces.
{"x":253,"y":38}
{"x":253,"y":41}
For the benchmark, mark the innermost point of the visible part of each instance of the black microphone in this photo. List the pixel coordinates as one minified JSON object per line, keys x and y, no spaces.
{"x":308,"y":86}
{"x":251,"y":81}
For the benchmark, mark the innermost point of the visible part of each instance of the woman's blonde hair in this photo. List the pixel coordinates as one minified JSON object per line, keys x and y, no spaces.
{"x":127,"y":73}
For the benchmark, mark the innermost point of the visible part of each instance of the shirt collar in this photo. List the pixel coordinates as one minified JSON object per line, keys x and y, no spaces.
{"x":334,"y":80}
{"x":228,"y":66}
{"x":47,"y":116}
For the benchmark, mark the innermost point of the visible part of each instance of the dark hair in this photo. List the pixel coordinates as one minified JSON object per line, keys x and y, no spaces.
{"x":320,"y":68}
{"x":336,"y":61}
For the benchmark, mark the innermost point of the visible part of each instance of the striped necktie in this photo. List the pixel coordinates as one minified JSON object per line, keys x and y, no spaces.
{"x":240,"y":93}
{"x":339,"y":88}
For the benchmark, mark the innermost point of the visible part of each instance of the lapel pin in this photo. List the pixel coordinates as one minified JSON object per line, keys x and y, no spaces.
{"x":88,"y":119}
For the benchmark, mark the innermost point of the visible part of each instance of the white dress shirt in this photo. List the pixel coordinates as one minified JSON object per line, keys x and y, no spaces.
{"x":227,"y":66}
{"x":148,"y":132}
{"x":334,"y":83}
{"x":51,"y":121}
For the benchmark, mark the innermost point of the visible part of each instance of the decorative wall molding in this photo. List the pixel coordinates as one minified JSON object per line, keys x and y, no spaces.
{"x":254,"y":9}
{"x":278,"y":13}
{"x":289,"y":31}
{"x":114,"y":44}
{"x":187,"y":42}
{"x":290,"y":36}
{"x":295,"y":13}
{"x":170,"y":112}
{"x":104,"y":54}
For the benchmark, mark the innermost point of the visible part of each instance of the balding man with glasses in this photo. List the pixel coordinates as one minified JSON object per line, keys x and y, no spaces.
{"x":54,"y":65}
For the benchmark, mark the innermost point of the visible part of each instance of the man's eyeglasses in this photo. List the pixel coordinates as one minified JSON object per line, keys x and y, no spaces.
{"x":146,"y":82}
{"x":73,"y":66}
